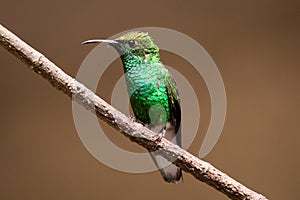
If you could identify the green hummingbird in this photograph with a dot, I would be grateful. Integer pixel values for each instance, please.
(152, 90)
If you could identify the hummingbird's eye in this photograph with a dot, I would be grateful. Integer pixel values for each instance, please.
(131, 43)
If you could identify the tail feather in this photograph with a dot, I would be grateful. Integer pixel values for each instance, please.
(170, 172)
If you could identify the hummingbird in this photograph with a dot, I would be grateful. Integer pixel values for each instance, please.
(152, 90)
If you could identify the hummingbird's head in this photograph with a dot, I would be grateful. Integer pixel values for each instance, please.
(133, 43)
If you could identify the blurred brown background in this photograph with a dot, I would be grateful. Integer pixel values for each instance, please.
(256, 47)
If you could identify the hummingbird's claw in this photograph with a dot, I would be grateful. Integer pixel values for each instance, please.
(162, 134)
(132, 118)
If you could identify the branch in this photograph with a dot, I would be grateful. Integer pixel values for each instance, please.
(201, 170)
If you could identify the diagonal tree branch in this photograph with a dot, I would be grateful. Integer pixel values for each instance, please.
(201, 170)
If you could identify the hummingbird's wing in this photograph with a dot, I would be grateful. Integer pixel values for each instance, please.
(174, 105)
(170, 172)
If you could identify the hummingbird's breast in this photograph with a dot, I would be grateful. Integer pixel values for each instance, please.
(147, 90)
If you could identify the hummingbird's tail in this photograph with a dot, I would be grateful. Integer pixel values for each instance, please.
(170, 172)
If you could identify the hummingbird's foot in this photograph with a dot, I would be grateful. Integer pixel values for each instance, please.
(162, 134)
(132, 118)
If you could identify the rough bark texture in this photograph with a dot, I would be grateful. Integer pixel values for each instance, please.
(201, 170)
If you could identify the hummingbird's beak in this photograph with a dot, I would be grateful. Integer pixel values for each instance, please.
(117, 44)
(99, 41)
